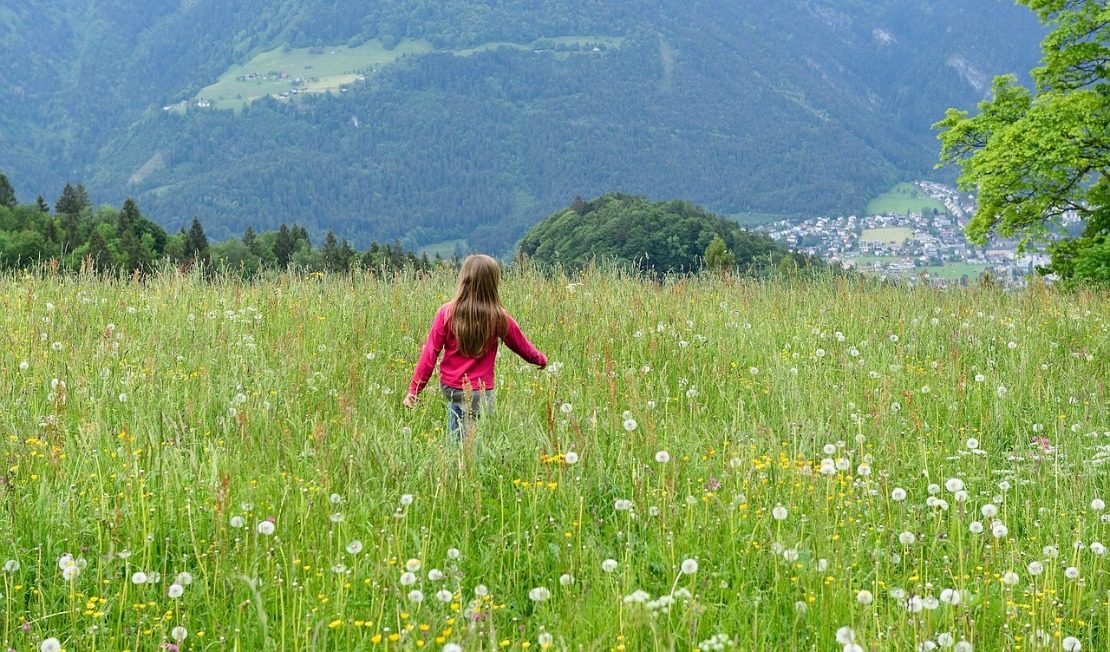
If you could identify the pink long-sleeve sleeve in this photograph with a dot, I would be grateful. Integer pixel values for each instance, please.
(519, 344)
(433, 345)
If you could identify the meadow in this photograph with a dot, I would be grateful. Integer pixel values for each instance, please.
(896, 234)
(901, 199)
(329, 68)
(708, 463)
(326, 69)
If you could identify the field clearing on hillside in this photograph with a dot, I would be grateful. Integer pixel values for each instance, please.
(323, 69)
(901, 199)
(897, 234)
(710, 463)
(329, 68)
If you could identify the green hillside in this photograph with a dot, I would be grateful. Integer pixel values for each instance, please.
(656, 237)
(475, 119)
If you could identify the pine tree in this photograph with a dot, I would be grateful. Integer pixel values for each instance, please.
(300, 234)
(251, 240)
(347, 255)
(99, 253)
(50, 231)
(42, 206)
(71, 227)
(73, 200)
(330, 253)
(196, 244)
(7, 193)
(284, 246)
(128, 218)
(134, 253)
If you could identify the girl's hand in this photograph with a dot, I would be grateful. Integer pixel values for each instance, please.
(410, 400)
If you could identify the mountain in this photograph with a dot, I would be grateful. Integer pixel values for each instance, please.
(474, 119)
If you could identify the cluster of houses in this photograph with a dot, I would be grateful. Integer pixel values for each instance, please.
(902, 244)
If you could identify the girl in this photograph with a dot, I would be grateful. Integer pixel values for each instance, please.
(467, 330)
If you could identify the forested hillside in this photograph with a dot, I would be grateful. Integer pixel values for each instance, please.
(795, 107)
(655, 237)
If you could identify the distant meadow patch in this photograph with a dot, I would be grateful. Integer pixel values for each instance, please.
(708, 463)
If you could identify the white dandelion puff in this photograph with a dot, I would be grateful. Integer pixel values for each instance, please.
(539, 594)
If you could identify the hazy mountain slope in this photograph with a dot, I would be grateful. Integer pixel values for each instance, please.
(791, 107)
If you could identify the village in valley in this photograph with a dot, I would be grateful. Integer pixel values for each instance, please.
(916, 232)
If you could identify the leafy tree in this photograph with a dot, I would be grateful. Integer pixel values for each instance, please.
(717, 256)
(236, 256)
(7, 193)
(1035, 157)
(22, 248)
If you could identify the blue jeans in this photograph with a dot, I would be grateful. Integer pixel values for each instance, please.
(464, 406)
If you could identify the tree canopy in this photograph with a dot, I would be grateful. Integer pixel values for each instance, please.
(110, 241)
(1038, 157)
(659, 237)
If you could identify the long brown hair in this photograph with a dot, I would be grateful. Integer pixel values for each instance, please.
(477, 315)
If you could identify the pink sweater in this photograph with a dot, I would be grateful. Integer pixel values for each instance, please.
(457, 370)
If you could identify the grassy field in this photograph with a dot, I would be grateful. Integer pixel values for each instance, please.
(955, 271)
(323, 69)
(222, 466)
(329, 68)
(903, 198)
(897, 234)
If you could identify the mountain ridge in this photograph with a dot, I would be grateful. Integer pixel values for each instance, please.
(794, 108)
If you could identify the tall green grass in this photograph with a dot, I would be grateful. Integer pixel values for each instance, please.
(144, 422)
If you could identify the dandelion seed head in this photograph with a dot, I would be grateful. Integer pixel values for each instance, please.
(539, 594)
